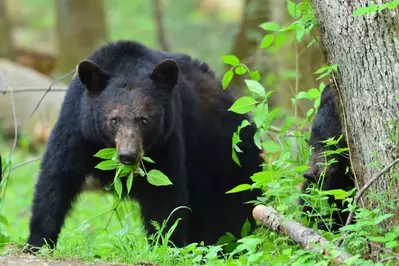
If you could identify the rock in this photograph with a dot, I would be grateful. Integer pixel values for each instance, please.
(28, 86)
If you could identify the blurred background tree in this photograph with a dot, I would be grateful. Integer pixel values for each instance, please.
(81, 28)
(52, 36)
(6, 44)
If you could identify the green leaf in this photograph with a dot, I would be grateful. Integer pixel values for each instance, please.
(270, 26)
(230, 60)
(240, 70)
(366, 10)
(239, 188)
(235, 157)
(309, 112)
(106, 153)
(260, 114)
(256, 76)
(270, 146)
(262, 177)
(280, 39)
(243, 105)
(314, 93)
(257, 140)
(118, 186)
(246, 228)
(267, 40)
(227, 78)
(4, 220)
(338, 194)
(391, 244)
(292, 9)
(129, 182)
(157, 178)
(125, 169)
(148, 159)
(244, 123)
(377, 238)
(302, 95)
(255, 87)
(301, 168)
(107, 165)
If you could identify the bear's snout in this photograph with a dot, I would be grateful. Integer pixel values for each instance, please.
(127, 155)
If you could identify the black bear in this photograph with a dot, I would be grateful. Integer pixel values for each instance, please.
(167, 106)
(327, 125)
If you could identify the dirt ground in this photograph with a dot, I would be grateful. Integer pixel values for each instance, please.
(34, 261)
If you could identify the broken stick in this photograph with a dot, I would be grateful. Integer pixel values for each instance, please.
(306, 237)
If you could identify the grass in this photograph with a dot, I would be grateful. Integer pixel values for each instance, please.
(92, 231)
(89, 232)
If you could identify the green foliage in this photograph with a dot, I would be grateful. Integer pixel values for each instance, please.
(371, 8)
(111, 162)
(286, 157)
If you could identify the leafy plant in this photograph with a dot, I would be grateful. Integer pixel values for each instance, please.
(111, 162)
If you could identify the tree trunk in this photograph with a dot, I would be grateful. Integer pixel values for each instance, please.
(254, 13)
(6, 44)
(366, 51)
(81, 28)
(160, 25)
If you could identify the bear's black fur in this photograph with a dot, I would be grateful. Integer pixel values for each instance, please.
(327, 125)
(166, 106)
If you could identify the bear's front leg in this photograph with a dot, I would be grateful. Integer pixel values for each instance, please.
(61, 176)
(159, 204)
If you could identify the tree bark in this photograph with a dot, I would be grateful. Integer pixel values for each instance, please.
(6, 44)
(81, 28)
(366, 51)
(160, 25)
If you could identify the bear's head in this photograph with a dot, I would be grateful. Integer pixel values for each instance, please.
(131, 111)
(327, 159)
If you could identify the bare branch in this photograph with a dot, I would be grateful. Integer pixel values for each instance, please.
(306, 237)
(49, 89)
(25, 163)
(34, 89)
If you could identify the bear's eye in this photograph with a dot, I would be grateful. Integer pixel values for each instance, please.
(143, 120)
(114, 121)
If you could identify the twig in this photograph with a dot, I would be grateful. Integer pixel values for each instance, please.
(360, 193)
(35, 89)
(49, 89)
(306, 237)
(278, 130)
(14, 115)
(25, 163)
(1, 169)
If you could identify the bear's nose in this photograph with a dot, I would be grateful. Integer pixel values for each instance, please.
(127, 156)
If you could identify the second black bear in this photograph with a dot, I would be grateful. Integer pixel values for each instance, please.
(166, 106)
(327, 125)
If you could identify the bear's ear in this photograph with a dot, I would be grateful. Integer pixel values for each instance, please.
(92, 76)
(165, 74)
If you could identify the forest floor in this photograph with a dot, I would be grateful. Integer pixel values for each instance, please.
(38, 261)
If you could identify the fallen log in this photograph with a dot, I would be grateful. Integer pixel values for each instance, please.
(306, 237)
